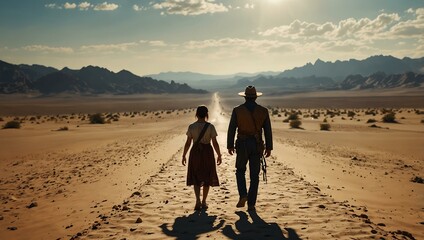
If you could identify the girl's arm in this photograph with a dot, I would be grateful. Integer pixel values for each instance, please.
(186, 147)
(218, 152)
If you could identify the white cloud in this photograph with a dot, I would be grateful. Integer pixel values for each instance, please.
(138, 8)
(157, 44)
(190, 7)
(47, 49)
(108, 48)
(238, 44)
(51, 6)
(347, 28)
(106, 7)
(84, 5)
(69, 5)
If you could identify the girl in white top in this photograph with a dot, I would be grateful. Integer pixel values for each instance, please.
(201, 164)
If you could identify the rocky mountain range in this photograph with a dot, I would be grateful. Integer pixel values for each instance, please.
(87, 80)
(339, 70)
(377, 72)
(379, 80)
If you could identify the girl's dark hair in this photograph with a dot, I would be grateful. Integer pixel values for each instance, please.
(202, 112)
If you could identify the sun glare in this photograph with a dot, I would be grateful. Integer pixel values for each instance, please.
(275, 1)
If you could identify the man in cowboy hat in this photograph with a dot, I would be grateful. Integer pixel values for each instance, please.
(249, 119)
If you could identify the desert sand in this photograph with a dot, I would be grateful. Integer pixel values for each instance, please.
(124, 179)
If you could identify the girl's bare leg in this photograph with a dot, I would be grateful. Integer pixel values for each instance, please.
(205, 195)
(197, 193)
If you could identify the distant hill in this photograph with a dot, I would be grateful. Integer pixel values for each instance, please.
(206, 81)
(192, 76)
(87, 80)
(381, 80)
(339, 70)
(288, 83)
(377, 80)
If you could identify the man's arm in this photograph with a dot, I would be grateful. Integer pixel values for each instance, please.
(268, 136)
(231, 132)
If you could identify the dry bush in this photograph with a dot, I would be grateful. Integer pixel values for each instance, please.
(295, 123)
(371, 120)
(63, 129)
(97, 119)
(389, 118)
(417, 179)
(324, 127)
(12, 124)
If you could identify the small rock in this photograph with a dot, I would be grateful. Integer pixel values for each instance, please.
(374, 231)
(1, 217)
(12, 228)
(405, 233)
(136, 194)
(133, 229)
(33, 204)
(139, 220)
(354, 158)
(417, 179)
(125, 208)
(381, 224)
(321, 206)
(363, 216)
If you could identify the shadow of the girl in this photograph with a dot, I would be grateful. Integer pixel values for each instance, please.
(191, 226)
(257, 229)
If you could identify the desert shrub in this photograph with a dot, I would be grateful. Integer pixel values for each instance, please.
(295, 123)
(324, 127)
(418, 112)
(371, 120)
(351, 114)
(1, 119)
(417, 179)
(97, 119)
(286, 120)
(315, 115)
(12, 124)
(422, 120)
(63, 129)
(325, 120)
(389, 118)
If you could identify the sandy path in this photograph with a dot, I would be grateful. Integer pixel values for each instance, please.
(289, 207)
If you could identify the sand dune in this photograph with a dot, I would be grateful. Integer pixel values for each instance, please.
(124, 180)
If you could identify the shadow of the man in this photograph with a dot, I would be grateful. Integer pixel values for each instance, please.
(191, 226)
(257, 229)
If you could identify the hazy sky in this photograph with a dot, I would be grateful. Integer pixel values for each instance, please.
(207, 36)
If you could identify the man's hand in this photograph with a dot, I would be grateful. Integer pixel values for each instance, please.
(219, 160)
(267, 152)
(184, 160)
(231, 151)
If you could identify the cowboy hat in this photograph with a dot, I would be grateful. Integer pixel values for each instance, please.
(250, 92)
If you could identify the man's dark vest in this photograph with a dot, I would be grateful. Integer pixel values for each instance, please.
(245, 124)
